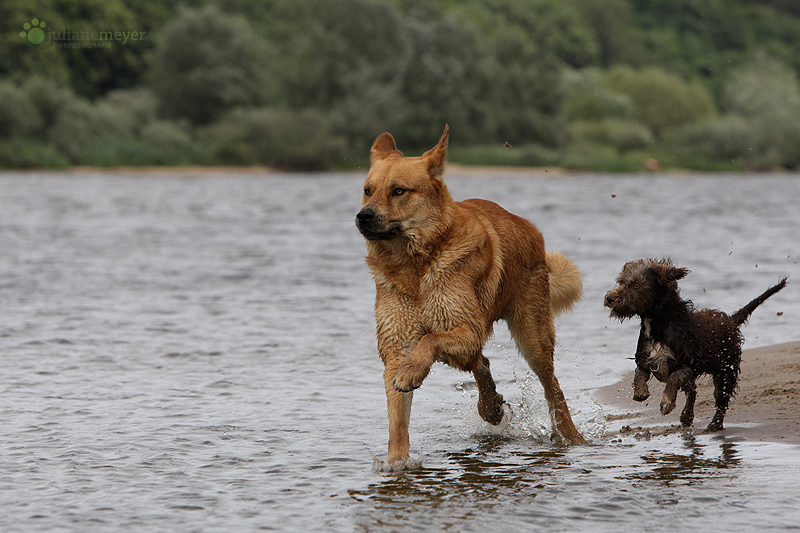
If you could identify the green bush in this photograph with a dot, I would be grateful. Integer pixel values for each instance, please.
(587, 156)
(81, 124)
(624, 135)
(17, 153)
(438, 82)
(329, 49)
(294, 140)
(18, 115)
(589, 96)
(374, 66)
(763, 87)
(530, 155)
(729, 137)
(49, 98)
(135, 152)
(160, 143)
(558, 28)
(140, 104)
(207, 63)
(766, 94)
(518, 96)
(662, 100)
(167, 134)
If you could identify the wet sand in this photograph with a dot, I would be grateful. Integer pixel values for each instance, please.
(765, 408)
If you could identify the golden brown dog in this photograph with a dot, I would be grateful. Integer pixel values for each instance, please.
(444, 272)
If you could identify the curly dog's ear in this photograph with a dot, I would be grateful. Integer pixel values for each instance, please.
(665, 272)
(673, 273)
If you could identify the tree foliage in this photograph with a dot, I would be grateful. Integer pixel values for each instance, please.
(662, 100)
(766, 94)
(561, 80)
(207, 63)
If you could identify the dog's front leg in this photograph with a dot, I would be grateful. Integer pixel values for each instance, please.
(399, 408)
(460, 347)
(490, 403)
(677, 380)
(414, 367)
(642, 374)
(640, 379)
(687, 415)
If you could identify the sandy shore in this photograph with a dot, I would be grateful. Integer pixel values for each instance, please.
(765, 408)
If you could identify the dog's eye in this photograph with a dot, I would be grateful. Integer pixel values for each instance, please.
(367, 191)
(399, 191)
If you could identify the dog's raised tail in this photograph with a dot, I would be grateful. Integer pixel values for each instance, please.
(741, 316)
(566, 284)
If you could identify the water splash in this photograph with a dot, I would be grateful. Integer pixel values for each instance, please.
(595, 427)
(526, 417)
(407, 463)
(534, 418)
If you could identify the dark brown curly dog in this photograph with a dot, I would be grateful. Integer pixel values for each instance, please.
(678, 343)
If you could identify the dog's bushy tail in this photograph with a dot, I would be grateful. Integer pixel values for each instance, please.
(566, 284)
(741, 316)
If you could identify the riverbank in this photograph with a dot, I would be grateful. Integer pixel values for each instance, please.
(765, 407)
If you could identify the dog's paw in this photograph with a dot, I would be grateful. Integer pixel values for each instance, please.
(667, 405)
(404, 386)
(399, 464)
(493, 411)
(409, 377)
(715, 424)
(641, 396)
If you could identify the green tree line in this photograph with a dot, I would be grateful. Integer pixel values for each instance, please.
(308, 84)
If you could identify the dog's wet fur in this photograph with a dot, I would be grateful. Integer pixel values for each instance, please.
(444, 272)
(678, 343)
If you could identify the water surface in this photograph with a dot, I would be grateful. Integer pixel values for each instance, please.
(198, 354)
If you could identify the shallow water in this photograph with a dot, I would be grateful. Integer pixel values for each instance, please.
(198, 354)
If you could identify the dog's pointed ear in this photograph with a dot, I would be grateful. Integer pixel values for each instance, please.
(384, 147)
(436, 156)
(673, 273)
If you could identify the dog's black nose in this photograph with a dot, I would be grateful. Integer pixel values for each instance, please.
(365, 215)
(610, 299)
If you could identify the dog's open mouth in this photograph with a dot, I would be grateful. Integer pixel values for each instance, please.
(382, 233)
